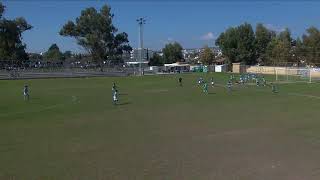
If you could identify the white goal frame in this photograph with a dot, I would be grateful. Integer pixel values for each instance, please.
(297, 74)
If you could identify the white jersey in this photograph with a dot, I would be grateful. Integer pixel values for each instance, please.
(115, 97)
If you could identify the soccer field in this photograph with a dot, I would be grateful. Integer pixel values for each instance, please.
(71, 130)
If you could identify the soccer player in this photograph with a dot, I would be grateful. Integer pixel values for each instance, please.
(231, 77)
(212, 82)
(114, 87)
(241, 80)
(264, 81)
(229, 85)
(200, 81)
(274, 88)
(257, 82)
(180, 81)
(26, 93)
(115, 97)
(205, 88)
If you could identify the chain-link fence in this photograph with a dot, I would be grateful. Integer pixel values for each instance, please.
(28, 73)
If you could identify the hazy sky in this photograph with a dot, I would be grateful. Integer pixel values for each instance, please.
(191, 23)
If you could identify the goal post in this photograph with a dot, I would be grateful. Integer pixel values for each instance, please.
(297, 74)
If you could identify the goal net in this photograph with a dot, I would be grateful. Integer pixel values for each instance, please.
(298, 74)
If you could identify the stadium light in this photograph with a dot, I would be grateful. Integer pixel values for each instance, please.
(141, 21)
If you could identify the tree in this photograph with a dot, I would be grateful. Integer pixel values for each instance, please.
(277, 52)
(228, 43)
(35, 56)
(285, 36)
(238, 44)
(67, 55)
(207, 56)
(263, 37)
(156, 60)
(246, 46)
(95, 32)
(310, 47)
(2, 8)
(11, 46)
(280, 49)
(53, 53)
(172, 53)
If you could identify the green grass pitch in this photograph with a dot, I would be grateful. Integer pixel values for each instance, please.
(71, 130)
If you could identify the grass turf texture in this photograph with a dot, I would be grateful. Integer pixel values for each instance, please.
(70, 130)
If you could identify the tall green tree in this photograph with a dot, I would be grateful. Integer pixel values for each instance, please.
(298, 52)
(310, 47)
(156, 60)
(95, 32)
(263, 37)
(53, 53)
(207, 56)
(280, 49)
(278, 52)
(11, 46)
(228, 43)
(172, 53)
(238, 44)
(246, 44)
(285, 36)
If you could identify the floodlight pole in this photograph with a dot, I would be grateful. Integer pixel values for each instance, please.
(141, 21)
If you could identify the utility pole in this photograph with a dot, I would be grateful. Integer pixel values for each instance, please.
(141, 21)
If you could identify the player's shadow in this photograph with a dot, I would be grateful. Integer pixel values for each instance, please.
(123, 94)
(212, 93)
(124, 103)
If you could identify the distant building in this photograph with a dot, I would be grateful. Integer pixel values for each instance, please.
(193, 55)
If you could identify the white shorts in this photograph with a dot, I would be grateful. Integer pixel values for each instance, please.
(25, 94)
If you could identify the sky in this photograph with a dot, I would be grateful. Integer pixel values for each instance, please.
(193, 24)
